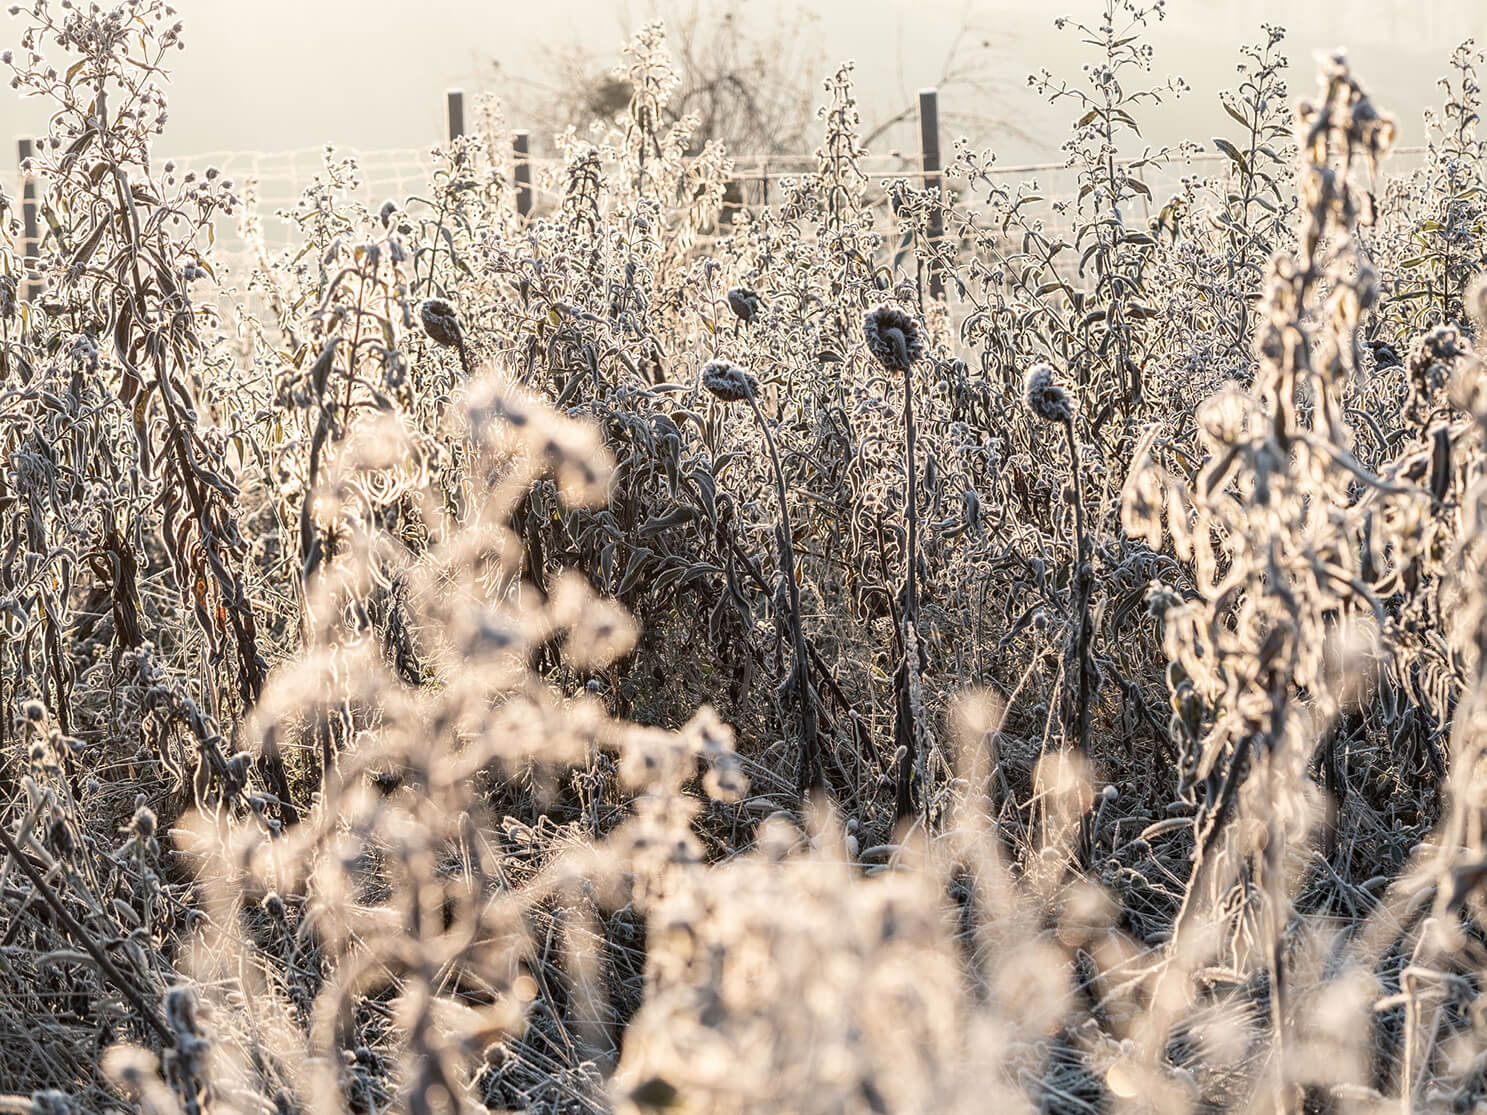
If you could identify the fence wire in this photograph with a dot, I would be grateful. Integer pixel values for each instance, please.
(280, 177)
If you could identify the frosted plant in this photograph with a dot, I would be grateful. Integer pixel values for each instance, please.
(896, 341)
(731, 384)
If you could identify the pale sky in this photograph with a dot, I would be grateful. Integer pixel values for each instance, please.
(267, 75)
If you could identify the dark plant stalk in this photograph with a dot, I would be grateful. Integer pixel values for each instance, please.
(896, 341)
(1083, 581)
(180, 423)
(906, 745)
(1080, 662)
(1050, 403)
(911, 512)
(808, 772)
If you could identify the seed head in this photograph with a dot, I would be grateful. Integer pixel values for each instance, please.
(892, 337)
(34, 711)
(1045, 398)
(1385, 355)
(440, 322)
(182, 1010)
(729, 382)
(1160, 599)
(1440, 345)
(143, 824)
(237, 767)
(60, 838)
(744, 302)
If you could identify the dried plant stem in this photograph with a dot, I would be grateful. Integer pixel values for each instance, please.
(1081, 670)
(1276, 905)
(110, 972)
(905, 728)
(180, 428)
(808, 770)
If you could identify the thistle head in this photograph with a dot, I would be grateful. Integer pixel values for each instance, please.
(893, 337)
(744, 303)
(1045, 398)
(728, 382)
(440, 321)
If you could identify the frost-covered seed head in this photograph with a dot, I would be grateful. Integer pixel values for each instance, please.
(893, 337)
(440, 322)
(1045, 398)
(1160, 599)
(1440, 345)
(144, 822)
(182, 1008)
(744, 303)
(1385, 355)
(728, 382)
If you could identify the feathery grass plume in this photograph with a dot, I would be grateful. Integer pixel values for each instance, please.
(730, 384)
(1249, 666)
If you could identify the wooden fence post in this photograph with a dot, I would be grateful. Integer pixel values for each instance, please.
(929, 147)
(454, 108)
(30, 230)
(521, 171)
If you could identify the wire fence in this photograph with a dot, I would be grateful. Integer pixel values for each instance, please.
(280, 177)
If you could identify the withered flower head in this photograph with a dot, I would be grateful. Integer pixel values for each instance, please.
(727, 381)
(893, 337)
(744, 303)
(1045, 398)
(440, 322)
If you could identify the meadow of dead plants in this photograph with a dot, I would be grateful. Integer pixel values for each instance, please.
(910, 646)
